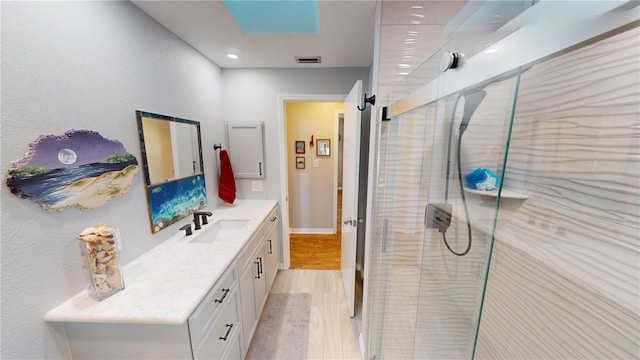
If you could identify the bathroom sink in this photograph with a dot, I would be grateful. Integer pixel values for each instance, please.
(220, 230)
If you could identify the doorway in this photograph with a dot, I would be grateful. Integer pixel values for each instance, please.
(313, 137)
(287, 160)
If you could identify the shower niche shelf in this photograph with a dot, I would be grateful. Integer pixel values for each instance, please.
(506, 194)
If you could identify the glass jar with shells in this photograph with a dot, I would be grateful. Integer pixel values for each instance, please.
(100, 261)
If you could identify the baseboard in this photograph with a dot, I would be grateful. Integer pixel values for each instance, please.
(311, 231)
(361, 341)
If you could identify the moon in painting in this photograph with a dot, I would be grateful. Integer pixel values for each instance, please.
(67, 156)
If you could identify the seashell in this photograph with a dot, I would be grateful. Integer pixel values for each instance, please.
(114, 277)
(104, 259)
(107, 243)
(100, 254)
(103, 287)
(91, 238)
(99, 268)
(100, 278)
(107, 232)
(88, 231)
(113, 261)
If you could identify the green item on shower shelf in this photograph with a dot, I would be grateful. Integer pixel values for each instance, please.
(482, 179)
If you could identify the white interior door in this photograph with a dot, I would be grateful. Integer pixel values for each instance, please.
(350, 166)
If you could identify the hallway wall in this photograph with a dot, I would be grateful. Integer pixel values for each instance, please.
(311, 189)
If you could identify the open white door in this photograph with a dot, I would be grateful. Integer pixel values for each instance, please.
(350, 166)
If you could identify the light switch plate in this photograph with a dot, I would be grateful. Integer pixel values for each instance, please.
(315, 163)
(256, 186)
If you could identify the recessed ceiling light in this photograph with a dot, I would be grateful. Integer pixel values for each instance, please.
(404, 66)
(232, 56)
(415, 22)
(403, 73)
(417, 6)
(417, 15)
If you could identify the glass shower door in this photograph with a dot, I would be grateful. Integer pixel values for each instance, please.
(400, 192)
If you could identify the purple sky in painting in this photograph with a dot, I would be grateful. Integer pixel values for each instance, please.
(89, 146)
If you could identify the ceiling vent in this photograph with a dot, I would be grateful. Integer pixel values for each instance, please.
(308, 59)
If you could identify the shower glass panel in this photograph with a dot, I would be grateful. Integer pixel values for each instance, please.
(402, 183)
(565, 265)
(425, 300)
(547, 265)
(455, 257)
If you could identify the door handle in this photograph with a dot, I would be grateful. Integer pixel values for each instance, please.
(352, 222)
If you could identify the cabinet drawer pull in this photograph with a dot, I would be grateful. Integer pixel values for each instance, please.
(274, 218)
(260, 168)
(257, 263)
(230, 326)
(260, 266)
(270, 249)
(226, 292)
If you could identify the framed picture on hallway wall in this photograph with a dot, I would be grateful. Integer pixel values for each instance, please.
(323, 147)
(299, 162)
(299, 147)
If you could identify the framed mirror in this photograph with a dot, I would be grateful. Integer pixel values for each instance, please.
(173, 168)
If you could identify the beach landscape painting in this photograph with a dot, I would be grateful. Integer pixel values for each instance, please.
(174, 200)
(78, 169)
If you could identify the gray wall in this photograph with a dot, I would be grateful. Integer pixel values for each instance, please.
(252, 95)
(84, 66)
(90, 65)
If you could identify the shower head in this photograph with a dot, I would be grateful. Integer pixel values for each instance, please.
(471, 102)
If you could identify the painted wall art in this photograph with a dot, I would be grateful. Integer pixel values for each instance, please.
(78, 169)
(172, 201)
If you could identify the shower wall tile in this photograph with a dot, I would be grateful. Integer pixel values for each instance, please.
(565, 273)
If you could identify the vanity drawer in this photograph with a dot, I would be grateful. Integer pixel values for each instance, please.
(221, 294)
(222, 333)
(271, 219)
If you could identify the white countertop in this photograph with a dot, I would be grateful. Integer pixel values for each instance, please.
(165, 285)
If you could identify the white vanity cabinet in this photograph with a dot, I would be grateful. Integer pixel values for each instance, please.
(213, 331)
(259, 265)
(253, 285)
(272, 247)
(214, 327)
(184, 299)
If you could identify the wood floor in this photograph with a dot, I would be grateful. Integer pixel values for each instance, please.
(317, 251)
(332, 334)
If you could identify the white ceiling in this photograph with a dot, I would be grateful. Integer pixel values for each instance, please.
(346, 36)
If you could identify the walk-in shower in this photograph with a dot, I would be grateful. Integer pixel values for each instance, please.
(440, 214)
(547, 265)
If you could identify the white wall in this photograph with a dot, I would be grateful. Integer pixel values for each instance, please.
(252, 95)
(84, 65)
